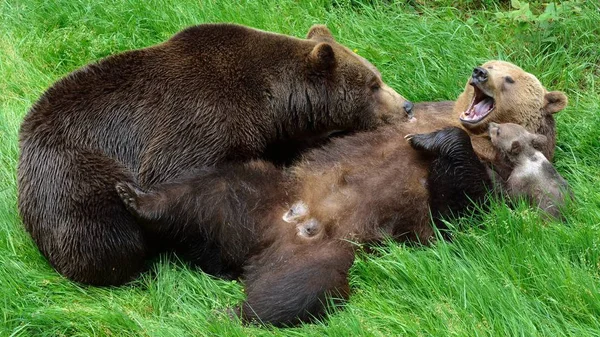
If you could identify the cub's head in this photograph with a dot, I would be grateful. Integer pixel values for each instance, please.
(501, 92)
(513, 140)
(357, 96)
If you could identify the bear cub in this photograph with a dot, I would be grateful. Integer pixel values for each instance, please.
(532, 176)
(240, 208)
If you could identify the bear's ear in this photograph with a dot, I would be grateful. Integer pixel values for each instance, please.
(555, 101)
(319, 31)
(539, 142)
(322, 57)
(515, 147)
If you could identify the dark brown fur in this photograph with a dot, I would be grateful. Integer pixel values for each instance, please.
(457, 181)
(239, 209)
(244, 211)
(361, 188)
(211, 94)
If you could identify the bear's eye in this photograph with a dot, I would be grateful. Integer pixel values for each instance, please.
(375, 86)
(509, 79)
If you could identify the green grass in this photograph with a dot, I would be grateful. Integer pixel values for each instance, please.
(513, 276)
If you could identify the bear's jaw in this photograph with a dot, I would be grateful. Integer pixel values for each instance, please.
(481, 106)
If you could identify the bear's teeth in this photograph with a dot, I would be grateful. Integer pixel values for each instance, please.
(467, 112)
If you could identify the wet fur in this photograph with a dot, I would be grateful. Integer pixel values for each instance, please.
(241, 209)
(361, 188)
(212, 94)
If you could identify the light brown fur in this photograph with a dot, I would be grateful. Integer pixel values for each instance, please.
(533, 176)
(525, 102)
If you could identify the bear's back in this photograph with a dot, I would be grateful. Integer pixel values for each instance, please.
(194, 85)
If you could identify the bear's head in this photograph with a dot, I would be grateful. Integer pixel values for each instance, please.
(513, 140)
(501, 92)
(353, 84)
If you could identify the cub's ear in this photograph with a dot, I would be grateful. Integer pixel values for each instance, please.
(555, 101)
(322, 57)
(319, 31)
(539, 142)
(515, 147)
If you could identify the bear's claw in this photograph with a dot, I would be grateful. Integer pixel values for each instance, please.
(128, 195)
(441, 142)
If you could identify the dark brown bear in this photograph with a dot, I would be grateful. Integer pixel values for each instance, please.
(211, 94)
(360, 188)
(240, 208)
(374, 183)
(292, 265)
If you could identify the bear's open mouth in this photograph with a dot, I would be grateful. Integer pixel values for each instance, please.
(480, 106)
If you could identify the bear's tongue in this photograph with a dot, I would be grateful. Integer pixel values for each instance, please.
(484, 106)
(479, 110)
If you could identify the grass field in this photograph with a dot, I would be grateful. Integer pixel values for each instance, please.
(513, 276)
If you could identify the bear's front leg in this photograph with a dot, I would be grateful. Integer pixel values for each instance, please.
(457, 179)
(450, 141)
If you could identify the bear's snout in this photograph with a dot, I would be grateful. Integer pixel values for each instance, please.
(408, 108)
(480, 75)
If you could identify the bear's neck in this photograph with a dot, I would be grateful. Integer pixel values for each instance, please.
(303, 111)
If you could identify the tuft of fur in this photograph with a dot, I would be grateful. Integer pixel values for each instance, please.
(533, 176)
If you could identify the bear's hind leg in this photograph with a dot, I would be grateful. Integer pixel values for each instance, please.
(148, 207)
(69, 206)
(209, 216)
(293, 285)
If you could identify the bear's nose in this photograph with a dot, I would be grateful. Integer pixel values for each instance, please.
(408, 107)
(480, 75)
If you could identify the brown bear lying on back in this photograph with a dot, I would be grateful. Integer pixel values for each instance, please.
(497, 91)
(360, 188)
(211, 94)
(381, 182)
